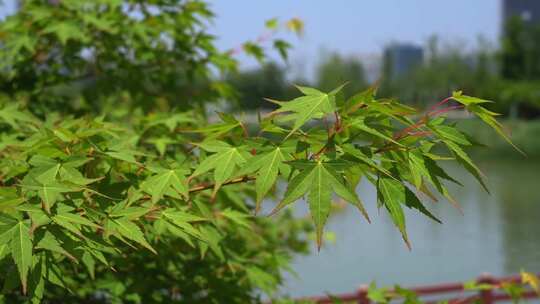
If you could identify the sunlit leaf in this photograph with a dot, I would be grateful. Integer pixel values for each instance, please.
(21, 251)
(314, 104)
(131, 231)
(392, 195)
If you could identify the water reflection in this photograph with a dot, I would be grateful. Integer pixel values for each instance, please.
(517, 188)
(499, 233)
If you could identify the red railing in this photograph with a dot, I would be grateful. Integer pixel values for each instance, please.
(454, 293)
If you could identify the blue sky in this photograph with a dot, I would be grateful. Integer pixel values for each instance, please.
(353, 26)
(358, 26)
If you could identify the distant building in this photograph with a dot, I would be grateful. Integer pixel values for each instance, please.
(400, 59)
(527, 10)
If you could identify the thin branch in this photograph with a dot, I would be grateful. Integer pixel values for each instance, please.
(442, 102)
(207, 186)
(408, 131)
(337, 125)
(446, 110)
(331, 134)
(403, 133)
(324, 148)
(244, 129)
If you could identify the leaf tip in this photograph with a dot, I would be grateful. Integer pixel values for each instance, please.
(319, 243)
(407, 243)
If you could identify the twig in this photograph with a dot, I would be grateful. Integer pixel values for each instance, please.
(440, 104)
(331, 134)
(337, 126)
(207, 186)
(445, 110)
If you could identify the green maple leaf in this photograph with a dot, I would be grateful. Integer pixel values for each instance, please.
(282, 47)
(45, 174)
(417, 168)
(422, 167)
(237, 217)
(166, 179)
(224, 162)
(360, 123)
(51, 243)
(161, 144)
(74, 176)
(49, 192)
(126, 228)
(296, 26)
(215, 130)
(451, 134)
(21, 251)
(473, 104)
(74, 218)
(182, 220)
(319, 179)
(66, 31)
(254, 50)
(358, 155)
(315, 104)
(267, 166)
(172, 121)
(130, 213)
(272, 24)
(124, 155)
(14, 117)
(462, 157)
(391, 194)
(9, 198)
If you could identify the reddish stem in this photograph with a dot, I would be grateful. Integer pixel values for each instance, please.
(432, 112)
(410, 128)
(440, 103)
(445, 110)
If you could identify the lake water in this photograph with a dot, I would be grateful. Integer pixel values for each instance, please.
(499, 233)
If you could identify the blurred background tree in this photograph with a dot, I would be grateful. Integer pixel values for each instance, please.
(335, 70)
(446, 68)
(510, 75)
(272, 80)
(519, 88)
(254, 85)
